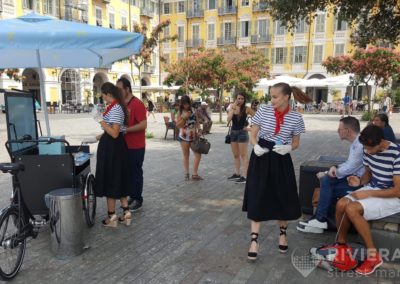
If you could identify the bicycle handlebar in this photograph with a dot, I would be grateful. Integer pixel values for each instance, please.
(48, 140)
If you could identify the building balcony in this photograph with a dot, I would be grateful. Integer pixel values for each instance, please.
(146, 12)
(260, 7)
(260, 39)
(194, 13)
(227, 10)
(226, 41)
(194, 43)
(148, 69)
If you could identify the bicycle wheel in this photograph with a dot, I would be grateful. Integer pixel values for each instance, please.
(89, 200)
(12, 246)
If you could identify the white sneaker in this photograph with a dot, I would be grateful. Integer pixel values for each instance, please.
(307, 229)
(315, 223)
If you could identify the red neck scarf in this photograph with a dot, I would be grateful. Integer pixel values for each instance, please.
(279, 115)
(109, 107)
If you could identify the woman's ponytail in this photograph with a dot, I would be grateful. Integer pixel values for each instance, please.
(300, 96)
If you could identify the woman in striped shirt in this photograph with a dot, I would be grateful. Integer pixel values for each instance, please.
(112, 170)
(271, 190)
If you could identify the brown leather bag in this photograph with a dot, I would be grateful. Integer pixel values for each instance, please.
(315, 197)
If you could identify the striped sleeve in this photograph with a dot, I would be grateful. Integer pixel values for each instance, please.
(257, 118)
(299, 128)
(116, 115)
(396, 166)
(365, 160)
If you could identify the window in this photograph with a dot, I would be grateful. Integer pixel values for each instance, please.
(299, 54)
(265, 52)
(318, 53)
(320, 23)
(123, 21)
(181, 7)
(49, 7)
(167, 8)
(133, 2)
(301, 27)
(211, 32)
(228, 31)
(166, 31)
(339, 49)
(339, 24)
(211, 4)
(99, 16)
(167, 59)
(181, 55)
(245, 2)
(245, 29)
(196, 32)
(263, 28)
(28, 4)
(279, 54)
(112, 20)
(70, 86)
(181, 33)
(279, 29)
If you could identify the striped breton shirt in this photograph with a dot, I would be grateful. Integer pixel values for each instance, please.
(384, 166)
(293, 124)
(115, 116)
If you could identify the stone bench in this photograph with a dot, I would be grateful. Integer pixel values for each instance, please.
(386, 234)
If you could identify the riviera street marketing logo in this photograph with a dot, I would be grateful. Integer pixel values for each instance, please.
(302, 261)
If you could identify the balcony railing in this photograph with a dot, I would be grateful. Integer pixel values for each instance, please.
(148, 69)
(227, 10)
(226, 41)
(262, 6)
(194, 43)
(260, 39)
(146, 12)
(198, 13)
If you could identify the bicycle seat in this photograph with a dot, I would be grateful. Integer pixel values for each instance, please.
(11, 167)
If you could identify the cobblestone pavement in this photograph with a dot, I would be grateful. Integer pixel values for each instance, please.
(186, 232)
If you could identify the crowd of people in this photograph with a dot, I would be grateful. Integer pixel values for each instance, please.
(366, 186)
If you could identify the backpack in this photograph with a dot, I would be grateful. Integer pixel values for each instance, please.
(342, 257)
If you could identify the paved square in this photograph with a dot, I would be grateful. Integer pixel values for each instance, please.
(186, 232)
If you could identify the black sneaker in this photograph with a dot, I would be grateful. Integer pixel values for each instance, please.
(135, 206)
(234, 177)
(241, 180)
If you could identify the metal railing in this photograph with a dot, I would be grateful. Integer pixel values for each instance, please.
(146, 12)
(261, 38)
(226, 10)
(198, 13)
(194, 43)
(262, 6)
(226, 41)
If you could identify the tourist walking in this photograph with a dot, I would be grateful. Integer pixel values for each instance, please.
(188, 126)
(271, 189)
(237, 115)
(112, 168)
(135, 137)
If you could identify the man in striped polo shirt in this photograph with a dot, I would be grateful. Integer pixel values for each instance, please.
(378, 198)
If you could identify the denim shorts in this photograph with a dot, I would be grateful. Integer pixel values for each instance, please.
(239, 136)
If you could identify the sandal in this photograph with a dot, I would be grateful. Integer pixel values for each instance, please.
(111, 220)
(196, 177)
(283, 248)
(253, 255)
(126, 218)
(187, 177)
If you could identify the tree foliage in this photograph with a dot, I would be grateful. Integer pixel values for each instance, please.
(233, 68)
(12, 73)
(380, 65)
(374, 20)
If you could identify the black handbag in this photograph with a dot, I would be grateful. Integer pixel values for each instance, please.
(228, 136)
(200, 145)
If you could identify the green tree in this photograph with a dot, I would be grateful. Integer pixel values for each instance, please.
(11, 73)
(374, 21)
(380, 65)
(150, 42)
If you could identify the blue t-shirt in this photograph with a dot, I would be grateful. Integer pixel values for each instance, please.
(388, 134)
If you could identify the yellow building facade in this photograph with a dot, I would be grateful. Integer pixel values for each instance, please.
(83, 85)
(221, 23)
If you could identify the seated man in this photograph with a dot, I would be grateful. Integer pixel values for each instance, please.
(379, 197)
(204, 117)
(334, 183)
